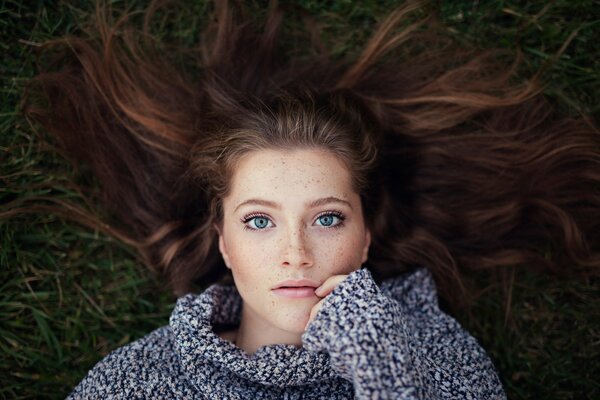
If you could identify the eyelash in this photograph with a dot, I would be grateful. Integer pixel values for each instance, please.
(334, 213)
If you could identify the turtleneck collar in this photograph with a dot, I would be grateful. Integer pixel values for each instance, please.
(213, 362)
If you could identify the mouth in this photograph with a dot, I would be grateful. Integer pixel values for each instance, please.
(297, 283)
(295, 287)
(295, 291)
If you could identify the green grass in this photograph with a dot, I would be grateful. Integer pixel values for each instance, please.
(69, 295)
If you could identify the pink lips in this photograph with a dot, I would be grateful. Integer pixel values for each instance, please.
(295, 292)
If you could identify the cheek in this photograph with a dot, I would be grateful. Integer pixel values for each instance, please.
(341, 254)
(250, 262)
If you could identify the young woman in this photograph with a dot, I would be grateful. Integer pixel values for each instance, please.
(320, 200)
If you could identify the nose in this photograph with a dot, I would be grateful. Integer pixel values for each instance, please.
(297, 251)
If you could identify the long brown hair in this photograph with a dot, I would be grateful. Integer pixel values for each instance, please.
(460, 165)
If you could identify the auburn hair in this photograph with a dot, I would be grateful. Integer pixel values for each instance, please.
(460, 165)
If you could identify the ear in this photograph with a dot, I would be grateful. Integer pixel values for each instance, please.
(222, 247)
(365, 254)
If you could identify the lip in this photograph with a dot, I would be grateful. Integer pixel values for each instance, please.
(295, 283)
(296, 292)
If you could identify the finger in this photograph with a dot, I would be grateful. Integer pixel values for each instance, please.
(322, 291)
(329, 284)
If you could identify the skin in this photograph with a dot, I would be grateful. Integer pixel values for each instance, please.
(291, 240)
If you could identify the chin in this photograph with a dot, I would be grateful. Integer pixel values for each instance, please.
(294, 326)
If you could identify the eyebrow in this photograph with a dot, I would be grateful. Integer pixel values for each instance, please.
(311, 204)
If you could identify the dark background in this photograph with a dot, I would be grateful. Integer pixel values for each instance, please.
(69, 295)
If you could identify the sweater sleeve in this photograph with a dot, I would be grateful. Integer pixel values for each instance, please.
(394, 342)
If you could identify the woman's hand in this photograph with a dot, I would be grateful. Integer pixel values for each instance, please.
(322, 292)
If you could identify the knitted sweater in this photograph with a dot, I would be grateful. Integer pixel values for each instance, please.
(366, 342)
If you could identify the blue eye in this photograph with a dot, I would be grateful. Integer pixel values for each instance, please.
(328, 219)
(260, 222)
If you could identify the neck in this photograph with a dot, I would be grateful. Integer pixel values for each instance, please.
(254, 332)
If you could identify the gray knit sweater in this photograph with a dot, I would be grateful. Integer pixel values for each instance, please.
(366, 342)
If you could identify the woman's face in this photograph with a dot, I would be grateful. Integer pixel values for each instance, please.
(271, 231)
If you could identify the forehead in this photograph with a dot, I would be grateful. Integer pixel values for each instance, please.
(294, 173)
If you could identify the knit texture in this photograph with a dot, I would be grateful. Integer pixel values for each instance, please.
(366, 342)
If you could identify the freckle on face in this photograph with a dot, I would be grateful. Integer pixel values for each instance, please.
(262, 259)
